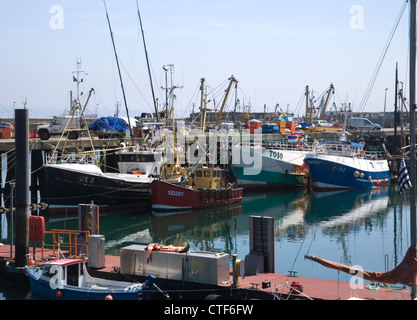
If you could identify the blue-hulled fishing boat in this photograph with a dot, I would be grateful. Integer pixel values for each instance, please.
(345, 165)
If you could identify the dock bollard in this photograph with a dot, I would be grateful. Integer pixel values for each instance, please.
(236, 271)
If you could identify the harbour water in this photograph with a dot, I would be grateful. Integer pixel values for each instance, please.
(366, 228)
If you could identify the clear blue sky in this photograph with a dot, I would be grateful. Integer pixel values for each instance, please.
(274, 48)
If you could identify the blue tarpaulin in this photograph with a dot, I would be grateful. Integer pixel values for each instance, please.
(109, 123)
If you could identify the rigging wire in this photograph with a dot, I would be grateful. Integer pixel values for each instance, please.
(192, 99)
(299, 102)
(381, 59)
(130, 77)
(312, 239)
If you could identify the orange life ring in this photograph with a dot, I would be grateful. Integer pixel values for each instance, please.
(6, 133)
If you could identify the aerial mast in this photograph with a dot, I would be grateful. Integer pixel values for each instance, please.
(118, 68)
(78, 77)
(147, 62)
(309, 113)
(412, 131)
(202, 102)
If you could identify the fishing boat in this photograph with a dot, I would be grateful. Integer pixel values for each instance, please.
(68, 279)
(280, 164)
(153, 158)
(405, 272)
(138, 161)
(345, 165)
(203, 187)
(73, 180)
(70, 177)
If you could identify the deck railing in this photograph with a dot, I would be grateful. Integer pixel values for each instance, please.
(66, 240)
(71, 158)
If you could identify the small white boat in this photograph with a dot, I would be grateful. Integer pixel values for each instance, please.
(68, 279)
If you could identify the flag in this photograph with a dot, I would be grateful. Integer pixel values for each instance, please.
(403, 178)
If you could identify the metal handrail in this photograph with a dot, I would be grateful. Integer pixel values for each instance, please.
(57, 243)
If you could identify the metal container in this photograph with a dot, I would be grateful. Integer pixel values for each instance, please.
(194, 266)
(96, 256)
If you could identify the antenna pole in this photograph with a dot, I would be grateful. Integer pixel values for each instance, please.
(147, 61)
(412, 130)
(118, 68)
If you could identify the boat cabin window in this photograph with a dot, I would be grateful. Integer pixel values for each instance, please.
(207, 174)
(198, 174)
(49, 272)
(138, 157)
(218, 174)
(72, 274)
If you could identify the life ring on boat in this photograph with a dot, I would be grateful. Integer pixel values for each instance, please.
(223, 181)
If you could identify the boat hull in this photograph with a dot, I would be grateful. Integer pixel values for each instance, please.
(71, 187)
(50, 288)
(279, 169)
(44, 289)
(172, 197)
(329, 172)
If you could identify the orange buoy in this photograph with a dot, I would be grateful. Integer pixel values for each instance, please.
(108, 297)
(296, 287)
(32, 262)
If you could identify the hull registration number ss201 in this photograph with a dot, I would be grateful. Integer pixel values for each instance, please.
(175, 193)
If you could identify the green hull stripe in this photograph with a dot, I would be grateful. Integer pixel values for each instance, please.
(267, 177)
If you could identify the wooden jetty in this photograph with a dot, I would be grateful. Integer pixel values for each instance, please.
(265, 286)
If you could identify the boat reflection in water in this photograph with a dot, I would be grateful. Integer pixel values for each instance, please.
(347, 208)
(205, 223)
(197, 227)
(294, 213)
(337, 225)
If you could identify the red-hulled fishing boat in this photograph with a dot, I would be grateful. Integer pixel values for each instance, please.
(203, 187)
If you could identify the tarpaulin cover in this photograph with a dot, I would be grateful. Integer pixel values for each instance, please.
(109, 123)
(404, 273)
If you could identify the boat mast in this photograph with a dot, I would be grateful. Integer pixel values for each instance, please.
(307, 108)
(329, 93)
(396, 110)
(231, 79)
(412, 130)
(118, 68)
(147, 62)
(202, 111)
